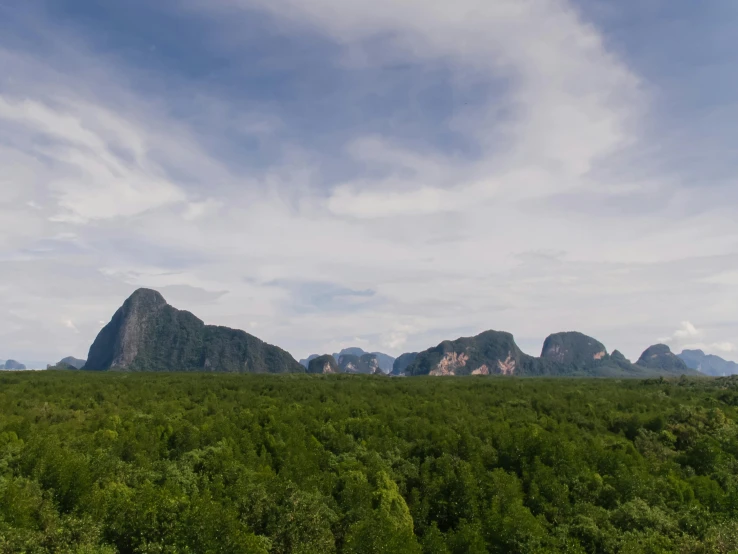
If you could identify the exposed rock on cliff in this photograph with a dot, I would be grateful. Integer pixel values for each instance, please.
(366, 363)
(323, 364)
(573, 348)
(492, 352)
(660, 356)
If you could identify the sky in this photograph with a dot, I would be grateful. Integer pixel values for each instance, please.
(384, 174)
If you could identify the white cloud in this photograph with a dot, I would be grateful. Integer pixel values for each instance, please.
(689, 337)
(449, 244)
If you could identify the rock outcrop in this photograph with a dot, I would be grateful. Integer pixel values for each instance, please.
(385, 361)
(366, 363)
(660, 357)
(489, 353)
(323, 364)
(573, 348)
(496, 353)
(147, 334)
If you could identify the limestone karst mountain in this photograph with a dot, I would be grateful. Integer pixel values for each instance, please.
(366, 363)
(708, 364)
(385, 361)
(660, 357)
(489, 353)
(68, 363)
(323, 364)
(573, 348)
(147, 334)
(401, 363)
(563, 354)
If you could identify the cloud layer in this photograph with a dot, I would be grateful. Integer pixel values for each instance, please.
(327, 172)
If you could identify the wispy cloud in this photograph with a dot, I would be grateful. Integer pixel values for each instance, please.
(407, 171)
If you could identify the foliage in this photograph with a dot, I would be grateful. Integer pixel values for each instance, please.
(191, 462)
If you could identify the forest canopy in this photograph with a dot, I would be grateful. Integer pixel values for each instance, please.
(198, 463)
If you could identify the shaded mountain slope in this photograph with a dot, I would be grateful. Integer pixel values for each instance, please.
(708, 364)
(147, 334)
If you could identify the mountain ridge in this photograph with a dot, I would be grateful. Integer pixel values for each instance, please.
(708, 364)
(147, 334)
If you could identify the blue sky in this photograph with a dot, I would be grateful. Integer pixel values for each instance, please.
(385, 174)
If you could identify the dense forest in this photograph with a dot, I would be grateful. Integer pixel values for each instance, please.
(200, 463)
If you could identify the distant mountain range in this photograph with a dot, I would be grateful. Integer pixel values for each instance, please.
(68, 363)
(147, 334)
(570, 353)
(346, 363)
(385, 361)
(12, 365)
(708, 363)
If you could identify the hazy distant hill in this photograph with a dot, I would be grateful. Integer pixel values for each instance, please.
(74, 362)
(12, 365)
(402, 362)
(385, 361)
(306, 361)
(147, 334)
(68, 363)
(366, 363)
(708, 364)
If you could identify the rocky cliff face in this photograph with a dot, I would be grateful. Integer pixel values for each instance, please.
(573, 348)
(563, 354)
(147, 334)
(385, 361)
(366, 363)
(660, 357)
(490, 353)
(323, 364)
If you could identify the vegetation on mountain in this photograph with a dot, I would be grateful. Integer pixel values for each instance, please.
(401, 363)
(660, 357)
(323, 364)
(495, 353)
(74, 362)
(67, 364)
(366, 363)
(147, 334)
(385, 361)
(708, 364)
(618, 357)
(573, 348)
(191, 462)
